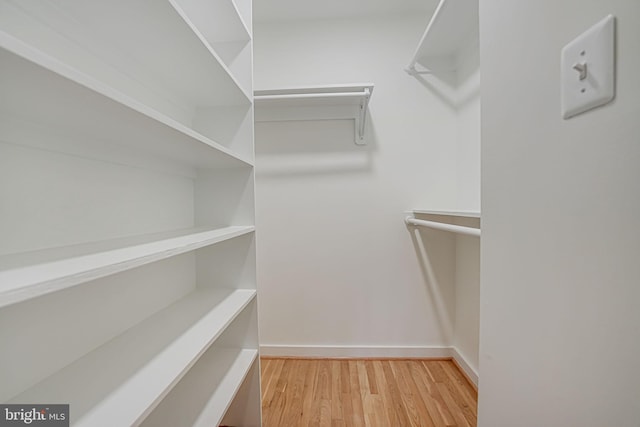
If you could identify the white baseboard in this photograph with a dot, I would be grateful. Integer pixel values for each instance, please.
(472, 375)
(359, 351)
(352, 351)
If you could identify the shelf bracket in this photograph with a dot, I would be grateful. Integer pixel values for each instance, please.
(317, 103)
(413, 71)
(360, 122)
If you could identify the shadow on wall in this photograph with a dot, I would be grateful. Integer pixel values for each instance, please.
(435, 251)
(454, 83)
(445, 87)
(312, 147)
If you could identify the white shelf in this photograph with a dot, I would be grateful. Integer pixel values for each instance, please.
(123, 118)
(453, 26)
(177, 58)
(218, 382)
(463, 214)
(34, 84)
(354, 94)
(316, 103)
(217, 21)
(29, 275)
(120, 383)
(461, 222)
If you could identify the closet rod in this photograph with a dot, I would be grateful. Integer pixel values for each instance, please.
(442, 226)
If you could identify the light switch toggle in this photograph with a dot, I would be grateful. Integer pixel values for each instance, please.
(587, 69)
(581, 67)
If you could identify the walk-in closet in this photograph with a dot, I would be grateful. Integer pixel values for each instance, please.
(342, 213)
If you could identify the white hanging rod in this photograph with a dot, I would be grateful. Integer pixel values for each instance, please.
(442, 226)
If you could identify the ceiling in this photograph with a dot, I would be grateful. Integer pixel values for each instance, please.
(287, 10)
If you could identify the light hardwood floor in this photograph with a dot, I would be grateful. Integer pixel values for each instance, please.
(377, 393)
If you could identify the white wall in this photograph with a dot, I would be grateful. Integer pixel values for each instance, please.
(466, 332)
(337, 267)
(560, 336)
(468, 129)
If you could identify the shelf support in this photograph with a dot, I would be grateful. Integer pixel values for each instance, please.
(413, 71)
(364, 105)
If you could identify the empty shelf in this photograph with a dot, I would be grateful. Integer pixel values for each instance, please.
(215, 379)
(453, 26)
(30, 275)
(463, 214)
(461, 222)
(316, 103)
(443, 226)
(37, 90)
(82, 34)
(140, 367)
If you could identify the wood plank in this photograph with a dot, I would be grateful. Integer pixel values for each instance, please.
(461, 392)
(270, 372)
(371, 377)
(423, 383)
(391, 418)
(336, 391)
(408, 385)
(435, 375)
(307, 393)
(460, 420)
(357, 416)
(293, 396)
(396, 397)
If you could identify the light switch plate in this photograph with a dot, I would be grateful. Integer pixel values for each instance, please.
(588, 69)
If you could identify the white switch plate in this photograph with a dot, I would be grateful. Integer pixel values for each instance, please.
(594, 49)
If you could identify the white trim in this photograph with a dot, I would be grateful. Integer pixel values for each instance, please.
(353, 351)
(472, 375)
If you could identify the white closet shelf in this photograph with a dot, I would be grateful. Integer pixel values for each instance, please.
(29, 275)
(179, 57)
(463, 214)
(216, 21)
(141, 366)
(40, 91)
(226, 376)
(453, 26)
(316, 103)
(461, 222)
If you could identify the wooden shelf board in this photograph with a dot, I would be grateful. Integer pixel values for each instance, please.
(216, 379)
(29, 275)
(139, 367)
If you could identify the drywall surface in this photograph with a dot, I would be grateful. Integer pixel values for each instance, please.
(559, 335)
(468, 130)
(467, 293)
(337, 266)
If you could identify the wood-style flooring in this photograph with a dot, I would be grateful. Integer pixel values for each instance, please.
(377, 393)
